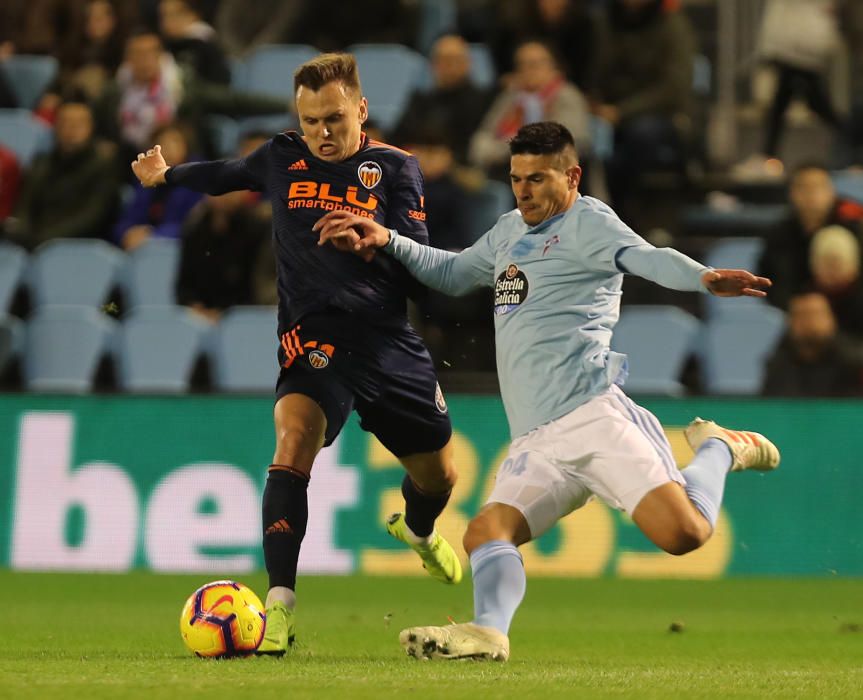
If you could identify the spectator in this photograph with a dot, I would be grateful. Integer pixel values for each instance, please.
(36, 26)
(90, 56)
(813, 359)
(243, 26)
(10, 182)
(568, 26)
(643, 86)
(798, 38)
(8, 100)
(152, 90)
(453, 105)
(539, 92)
(368, 22)
(192, 41)
(834, 261)
(159, 211)
(459, 336)
(70, 191)
(786, 254)
(221, 244)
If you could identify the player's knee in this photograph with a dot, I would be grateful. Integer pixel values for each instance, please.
(480, 530)
(438, 476)
(295, 443)
(687, 537)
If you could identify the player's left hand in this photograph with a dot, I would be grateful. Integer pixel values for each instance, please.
(351, 233)
(735, 283)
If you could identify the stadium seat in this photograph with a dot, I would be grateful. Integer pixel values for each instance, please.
(601, 137)
(269, 70)
(734, 349)
(63, 346)
(79, 271)
(657, 340)
(24, 135)
(849, 185)
(243, 352)
(482, 70)
(389, 74)
(13, 263)
(29, 77)
(10, 339)
(437, 17)
(702, 75)
(224, 133)
(150, 274)
(157, 347)
(733, 254)
(487, 205)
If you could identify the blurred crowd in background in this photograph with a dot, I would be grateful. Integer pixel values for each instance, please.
(632, 79)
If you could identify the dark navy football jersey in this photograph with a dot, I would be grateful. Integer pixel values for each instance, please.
(380, 182)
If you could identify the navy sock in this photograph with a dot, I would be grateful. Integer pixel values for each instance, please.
(421, 508)
(285, 516)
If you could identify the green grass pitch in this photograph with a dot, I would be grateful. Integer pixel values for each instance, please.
(77, 636)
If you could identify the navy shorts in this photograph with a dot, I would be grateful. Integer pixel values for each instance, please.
(384, 373)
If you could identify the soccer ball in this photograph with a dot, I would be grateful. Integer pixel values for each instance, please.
(223, 619)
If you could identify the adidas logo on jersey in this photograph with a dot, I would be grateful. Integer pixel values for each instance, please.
(299, 165)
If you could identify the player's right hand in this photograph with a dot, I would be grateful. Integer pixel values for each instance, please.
(349, 232)
(150, 167)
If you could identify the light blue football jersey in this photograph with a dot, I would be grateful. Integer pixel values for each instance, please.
(557, 289)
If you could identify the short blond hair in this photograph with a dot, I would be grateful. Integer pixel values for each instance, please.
(328, 68)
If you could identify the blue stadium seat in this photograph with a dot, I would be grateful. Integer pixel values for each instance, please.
(13, 263)
(733, 254)
(29, 77)
(243, 352)
(150, 274)
(157, 347)
(11, 337)
(79, 271)
(601, 137)
(23, 134)
(63, 346)
(224, 133)
(437, 17)
(734, 349)
(657, 340)
(849, 185)
(389, 74)
(269, 70)
(482, 70)
(702, 75)
(487, 205)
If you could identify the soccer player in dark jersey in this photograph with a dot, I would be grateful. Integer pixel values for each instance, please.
(344, 338)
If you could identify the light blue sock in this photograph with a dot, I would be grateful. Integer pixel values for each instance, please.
(705, 477)
(498, 584)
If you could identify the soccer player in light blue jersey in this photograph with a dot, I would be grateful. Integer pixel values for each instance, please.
(556, 265)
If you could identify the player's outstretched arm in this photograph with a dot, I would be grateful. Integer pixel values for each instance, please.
(735, 283)
(455, 274)
(150, 167)
(211, 177)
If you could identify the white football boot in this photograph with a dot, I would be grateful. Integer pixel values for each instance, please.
(748, 450)
(456, 641)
